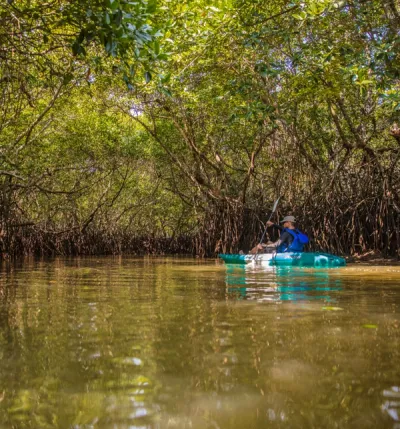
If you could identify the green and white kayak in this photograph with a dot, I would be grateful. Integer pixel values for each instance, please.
(295, 259)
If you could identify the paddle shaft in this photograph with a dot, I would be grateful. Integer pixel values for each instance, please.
(265, 230)
(266, 226)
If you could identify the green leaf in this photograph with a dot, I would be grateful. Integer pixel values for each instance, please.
(143, 36)
(113, 4)
(111, 46)
(300, 16)
(166, 92)
(163, 57)
(147, 76)
(166, 78)
(117, 18)
(81, 36)
(369, 326)
(156, 47)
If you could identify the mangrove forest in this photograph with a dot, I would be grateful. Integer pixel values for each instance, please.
(171, 127)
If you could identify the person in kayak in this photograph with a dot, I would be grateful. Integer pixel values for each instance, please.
(290, 240)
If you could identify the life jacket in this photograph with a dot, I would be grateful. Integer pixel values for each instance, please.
(297, 245)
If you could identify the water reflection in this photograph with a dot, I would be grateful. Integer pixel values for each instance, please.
(168, 343)
(391, 404)
(281, 283)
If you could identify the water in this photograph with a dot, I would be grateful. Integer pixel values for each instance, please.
(183, 343)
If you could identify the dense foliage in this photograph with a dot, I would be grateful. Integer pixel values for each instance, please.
(173, 126)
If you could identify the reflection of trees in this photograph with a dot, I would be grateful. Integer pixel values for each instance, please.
(116, 341)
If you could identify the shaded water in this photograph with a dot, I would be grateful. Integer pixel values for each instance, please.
(182, 343)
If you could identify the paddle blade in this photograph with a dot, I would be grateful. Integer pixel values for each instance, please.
(276, 205)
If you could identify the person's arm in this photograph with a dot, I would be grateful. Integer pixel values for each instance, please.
(269, 244)
(276, 244)
(279, 241)
(285, 237)
(274, 225)
(261, 246)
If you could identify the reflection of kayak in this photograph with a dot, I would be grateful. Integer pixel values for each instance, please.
(261, 282)
(298, 259)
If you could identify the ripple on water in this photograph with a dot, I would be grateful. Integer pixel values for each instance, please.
(127, 381)
(124, 412)
(128, 361)
(392, 405)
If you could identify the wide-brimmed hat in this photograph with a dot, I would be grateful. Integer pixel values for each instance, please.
(288, 219)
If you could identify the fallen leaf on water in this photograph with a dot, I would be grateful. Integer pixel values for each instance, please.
(332, 308)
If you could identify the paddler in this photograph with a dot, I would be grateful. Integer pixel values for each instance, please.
(290, 239)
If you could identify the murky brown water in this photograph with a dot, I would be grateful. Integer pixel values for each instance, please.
(182, 343)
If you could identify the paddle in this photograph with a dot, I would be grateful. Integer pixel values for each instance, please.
(270, 216)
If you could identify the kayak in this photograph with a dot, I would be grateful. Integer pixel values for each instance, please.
(295, 259)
